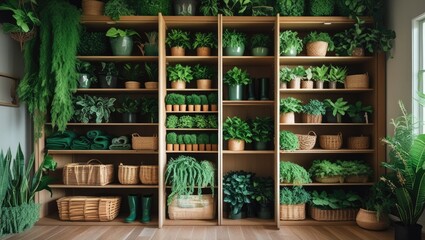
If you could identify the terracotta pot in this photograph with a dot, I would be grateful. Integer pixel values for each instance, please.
(295, 83)
(203, 83)
(310, 118)
(197, 108)
(205, 107)
(151, 85)
(195, 147)
(169, 147)
(190, 108)
(319, 48)
(176, 108)
(177, 51)
(287, 117)
(208, 147)
(201, 147)
(203, 51)
(182, 147)
(283, 85)
(183, 108)
(168, 108)
(319, 84)
(93, 8)
(367, 219)
(176, 147)
(214, 107)
(132, 85)
(189, 147)
(236, 145)
(214, 147)
(307, 84)
(178, 85)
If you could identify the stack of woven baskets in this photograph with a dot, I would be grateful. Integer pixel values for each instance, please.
(147, 174)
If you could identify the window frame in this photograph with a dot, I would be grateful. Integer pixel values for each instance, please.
(418, 69)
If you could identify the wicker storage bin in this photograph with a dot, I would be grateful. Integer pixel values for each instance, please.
(357, 81)
(148, 174)
(330, 179)
(88, 173)
(192, 207)
(128, 174)
(331, 142)
(82, 208)
(333, 215)
(292, 212)
(144, 143)
(307, 141)
(360, 142)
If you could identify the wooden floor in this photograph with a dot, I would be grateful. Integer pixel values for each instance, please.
(348, 232)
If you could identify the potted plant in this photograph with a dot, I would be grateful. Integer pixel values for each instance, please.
(179, 75)
(354, 41)
(203, 76)
(108, 75)
(235, 78)
(306, 81)
(194, 141)
(260, 44)
(335, 206)
(203, 43)
(209, 7)
(117, 8)
(178, 40)
(335, 110)
(322, 7)
(214, 141)
(213, 100)
(189, 103)
(288, 141)
(171, 139)
(320, 75)
(149, 48)
(149, 108)
(93, 7)
(237, 132)
(263, 194)
(86, 74)
(262, 8)
(358, 112)
(212, 121)
(196, 102)
(288, 107)
(200, 121)
(180, 142)
(336, 75)
(313, 111)
(292, 203)
(185, 7)
(129, 108)
(262, 132)
(88, 108)
(171, 121)
(203, 140)
(237, 191)
(132, 73)
(318, 44)
(234, 42)
(186, 121)
(187, 142)
(325, 171)
(355, 171)
(180, 102)
(290, 172)
(151, 70)
(290, 7)
(170, 101)
(290, 43)
(297, 73)
(204, 102)
(121, 41)
(285, 77)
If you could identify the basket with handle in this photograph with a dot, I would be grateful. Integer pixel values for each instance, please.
(144, 143)
(358, 142)
(307, 141)
(357, 81)
(331, 142)
(88, 208)
(148, 174)
(128, 174)
(91, 173)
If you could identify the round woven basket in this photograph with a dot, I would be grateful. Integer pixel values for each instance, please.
(319, 48)
(149, 174)
(357, 81)
(331, 142)
(360, 142)
(128, 175)
(307, 141)
(132, 85)
(22, 37)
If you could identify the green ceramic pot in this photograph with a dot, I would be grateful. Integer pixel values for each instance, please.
(234, 51)
(260, 51)
(235, 92)
(121, 46)
(151, 49)
(291, 52)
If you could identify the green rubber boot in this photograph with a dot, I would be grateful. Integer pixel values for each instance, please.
(146, 208)
(133, 204)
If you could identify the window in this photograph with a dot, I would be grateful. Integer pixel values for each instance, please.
(418, 69)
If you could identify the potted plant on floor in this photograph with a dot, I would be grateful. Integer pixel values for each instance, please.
(237, 191)
(179, 75)
(132, 74)
(285, 77)
(297, 73)
(336, 75)
(318, 44)
(335, 206)
(325, 171)
(290, 172)
(178, 40)
(313, 111)
(260, 44)
(288, 107)
(213, 100)
(129, 108)
(355, 171)
(203, 43)
(290, 43)
(263, 194)
(86, 74)
(288, 141)
(185, 7)
(121, 41)
(292, 203)
(234, 42)
(335, 110)
(320, 75)
(149, 48)
(151, 70)
(262, 132)
(108, 75)
(171, 139)
(203, 76)
(235, 78)
(359, 113)
(237, 132)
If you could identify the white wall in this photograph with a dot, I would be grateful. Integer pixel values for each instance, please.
(14, 123)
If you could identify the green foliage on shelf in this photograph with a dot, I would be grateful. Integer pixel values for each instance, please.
(337, 74)
(213, 98)
(325, 168)
(320, 36)
(290, 104)
(193, 138)
(116, 32)
(24, 19)
(180, 99)
(314, 107)
(237, 189)
(338, 199)
(180, 139)
(202, 72)
(178, 38)
(290, 40)
(152, 8)
(212, 121)
(187, 139)
(151, 70)
(83, 67)
(132, 72)
(108, 69)
(207, 39)
(285, 74)
(180, 73)
(149, 108)
(357, 110)
(235, 7)
(233, 38)
(293, 196)
(293, 173)
(288, 141)
(117, 8)
(236, 76)
(290, 7)
(380, 199)
(262, 129)
(92, 43)
(196, 99)
(214, 138)
(200, 121)
(128, 105)
(236, 128)
(186, 121)
(171, 138)
(338, 107)
(172, 121)
(171, 98)
(298, 71)
(209, 7)
(322, 7)
(189, 100)
(89, 107)
(261, 40)
(357, 168)
(320, 73)
(203, 138)
(263, 190)
(204, 99)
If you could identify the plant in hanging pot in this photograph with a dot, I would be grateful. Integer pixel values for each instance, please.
(359, 113)
(325, 171)
(203, 76)
(285, 77)
(297, 73)
(108, 75)
(213, 100)
(86, 75)
(262, 132)
(322, 7)
(234, 42)
(260, 44)
(290, 7)
(335, 110)
(292, 203)
(151, 70)
(288, 107)
(132, 74)
(203, 43)
(235, 78)
(288, 141)
(237, 132)
(313, 111)
(237, 191)
(320, 75)
(355, 171)
(263, 194)
(290, 172)
(318, 44)
(178, 40)
(179, 75)
(129, 107)
(185, 7)
(171, 140)
(121, 41)
(290, 43)
(336, 75)
(149, 48)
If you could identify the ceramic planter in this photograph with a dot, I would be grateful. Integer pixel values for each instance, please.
(367, 219)
(264, 89)
(150, 49)
(291, 52)
(177, 51)
(203, 83)
(234, 51)
(84, 80)
(235, 92)
(410, 232)
(203, 51)
(178, 84)
(121, 46)
(260, 51)
(236, 145)
(185, 7)
(190, 108)
(260, 145)
(129, 117)
(151, 85)
(287, 117)
(251, 90)
(108, 81)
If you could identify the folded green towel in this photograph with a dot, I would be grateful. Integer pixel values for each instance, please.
(60, 140)
(57, 146)
(81, 143)
(92, 134)
(101, 143)
(120, 140)
(120, 147)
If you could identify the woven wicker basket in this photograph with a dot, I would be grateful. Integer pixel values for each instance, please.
(82, 208)
(88, 173)
(292, 212)
(144, 143)
(319, 48)
(310, 118)
(132, 85)
(148, 174)
(128, 174)
(360, 142)
(307, 141)
(333, 215)
(356, 179)
(357, 81)
(331, 142)
(329, 179)
(193, 207)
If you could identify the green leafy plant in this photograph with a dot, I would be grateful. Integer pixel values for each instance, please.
(293, 196)
(84, 67)
(352, 8)
(209, 7)
(357, 168)
(202, 72)
(290, 104)
(117, 8)
(116, 32)
(149, 108)
(86, 46)
(187, 139)
(262, 129)
(285, 74)
(129, 105)
(321, 36)
(338, 107)
(200, 121)
(108, 69)
(322, 7)
(337, 74)
(289, 40)
(203, 138)
(237, 189)
(152, 8)
(233, 38)
(325, 168)
(260, 40)
(189, 100)
(196, 99)
(175, 99)
(171, 138)
(25, 20)
(308, 74)
(236, 128)
(193, 138)
(314, 107)
(288, 141)
(151, 70)
(212, 121)
(235, 7)
(185, 121)
(356, 111)
(263, 190)
(236, 76)
(380, 199)
(290, 7)
(89, 107)
(338, 199)
(178, 38)
(172, 121)
(180, 73)
(213, 98)
(180, 139)
(152, 37)
(290, 172)
(132, 71)
(320, 73)
(205, 40)
(204, 99)
(298, 72)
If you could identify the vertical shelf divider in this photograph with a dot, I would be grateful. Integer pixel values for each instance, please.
(276, 120)
(220, 120)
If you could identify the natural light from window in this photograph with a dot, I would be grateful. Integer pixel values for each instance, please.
(418, 68)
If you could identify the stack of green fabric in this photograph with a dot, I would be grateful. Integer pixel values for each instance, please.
(60, 140)
(81, 143)
(100, 140)
(120, 143)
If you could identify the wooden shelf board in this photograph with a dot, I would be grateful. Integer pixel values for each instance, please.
(119, 58)
(326, 184)
(246, 103)
(115, 90)
(192, 129)
(139, 23)
(247, 222)
(338, 90)
(248, 24)
(320, 151)
(249, 152)
(187, 112)
(192, 152)
(109, 186)
(192, 22)
(312, 222)
(248, 60)
(192, 90)
(80, 152)
(170, 222)
(53, 220)
(326, 124)
(110, 124)
(322, 60)
(318, 23)
(192, 59)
